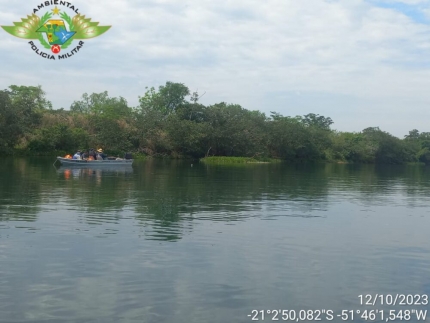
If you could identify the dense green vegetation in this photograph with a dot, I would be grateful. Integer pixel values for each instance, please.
(171, 122)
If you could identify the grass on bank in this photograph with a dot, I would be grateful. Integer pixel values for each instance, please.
(238, 160)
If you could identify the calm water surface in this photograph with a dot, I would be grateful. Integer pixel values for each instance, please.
(167, 242)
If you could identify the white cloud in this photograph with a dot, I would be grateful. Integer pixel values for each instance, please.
(243, 52)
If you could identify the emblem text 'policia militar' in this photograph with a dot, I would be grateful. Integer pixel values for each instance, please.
(56, 33)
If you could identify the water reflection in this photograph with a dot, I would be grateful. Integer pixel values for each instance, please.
(166, 242)
(68, 173)
(20, 189)
(165, 198)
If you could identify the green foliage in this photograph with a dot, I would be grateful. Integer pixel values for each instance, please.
(187, 138)
(413, 135)
(102, 104)
(352, 147)
(21, 109)
(29, 98)
(150, 133)
(292, 139)
(390, 150)
(10, 129)
(424, 155)
(167, 100)
(173, 95)
(109, 134)
(234, 131)
(166, 124)
(419, 142)
(58, 137)
(315, 120)
(372, 145)
(191, 111)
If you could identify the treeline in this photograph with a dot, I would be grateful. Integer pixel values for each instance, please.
(171, 122)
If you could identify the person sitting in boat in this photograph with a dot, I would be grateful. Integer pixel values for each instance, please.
(92, 154)
(77, 155)
(100, 154)
(84, 155)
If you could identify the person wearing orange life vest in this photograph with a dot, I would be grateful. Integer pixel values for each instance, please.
(92, 154)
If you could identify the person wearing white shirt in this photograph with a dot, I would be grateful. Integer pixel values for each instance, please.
(77, 155)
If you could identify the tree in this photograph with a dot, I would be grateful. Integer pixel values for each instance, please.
(167, 100)
(173, 95)
(187, 138)
(352, 147)
(102, 104)
(390, 149)
(286, 136)
(234, 131)
(315, 120)
(29, 103)
(413, 135)
(111, 134)
(10, 130)
(21, 108)
(29, 98)
(58, 137)
(298, 138)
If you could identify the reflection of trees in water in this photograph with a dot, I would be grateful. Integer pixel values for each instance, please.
(20, 189)
(167, 196)
(96, 190)
(378, 183)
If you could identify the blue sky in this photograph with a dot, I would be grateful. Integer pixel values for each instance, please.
(415, 10)
(361, 62)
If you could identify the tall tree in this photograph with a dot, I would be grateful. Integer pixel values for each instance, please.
(21, 108)
(9, 123)
(315, 120)
(102, 104)
(29, 98)
(167, 99)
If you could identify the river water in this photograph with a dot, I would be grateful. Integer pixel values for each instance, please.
(168, 241)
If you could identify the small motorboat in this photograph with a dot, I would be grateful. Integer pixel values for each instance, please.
(98, 163)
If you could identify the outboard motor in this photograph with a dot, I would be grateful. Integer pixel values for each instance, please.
(128, 156)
